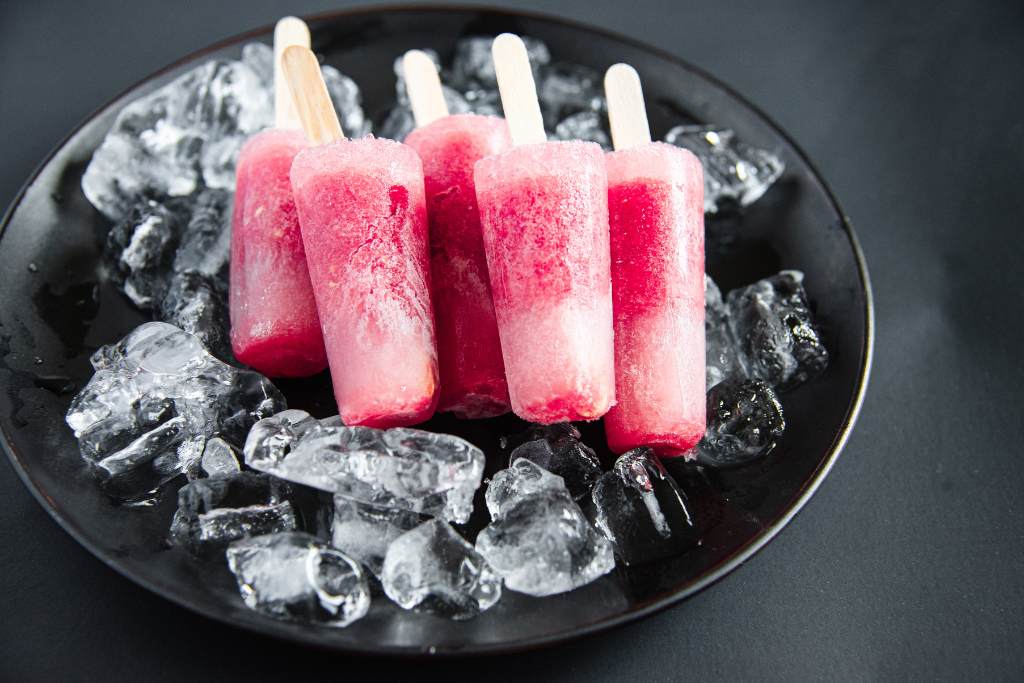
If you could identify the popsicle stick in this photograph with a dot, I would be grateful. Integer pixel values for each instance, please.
(518, 91)
(309, 93)
(289, 31)
(424, 88)
(627, 115)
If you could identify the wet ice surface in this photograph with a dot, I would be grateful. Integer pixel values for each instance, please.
(733, 170)
(777, 336)
(292, 575)
(521, 479)
(542, 544)
(565, 456)
(224, 508)
(718, 342)
(406, 469)
(642, 510)
(219, 457)
(365, 531)
(157, 396)
(431, 568)
(745, 422)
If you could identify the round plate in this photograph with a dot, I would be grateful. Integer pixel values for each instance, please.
(55, 310)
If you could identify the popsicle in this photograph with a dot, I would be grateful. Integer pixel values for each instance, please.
(274, 323)
(656, 215)
(469, 352)
(544, 214)
(363, 217)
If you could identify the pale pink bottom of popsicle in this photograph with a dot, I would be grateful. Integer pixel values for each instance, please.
(580, 389)
(654, 376)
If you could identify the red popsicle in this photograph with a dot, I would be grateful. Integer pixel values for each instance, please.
(274, 323)
(656, 217)
(472, 373)
(364, 226)
(544, 213)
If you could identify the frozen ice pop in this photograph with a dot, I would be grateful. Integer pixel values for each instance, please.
(469, 353)
(363, 216)
(544, 214)
(656, 216)
(274, 323)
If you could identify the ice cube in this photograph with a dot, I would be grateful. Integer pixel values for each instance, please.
(156, 397)
(260, 58)
(473, 66)
(718, 342)
(565, 89)
(186, 135)
(543, 544)
(483, 102)
(214, 512)
(406, 469)
(196, 305)
(219, 458)
(521, 479)
(206, 242)
(585, 125)
(745, 422)
(777, 337)
(574, 462)
(642, 510)
(157, 145)
(293, 576)
(733, 170)
(556, 434)
(364, 531)
(139, 250)
(432, 569)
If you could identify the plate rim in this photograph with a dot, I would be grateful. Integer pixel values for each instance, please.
(280, 630)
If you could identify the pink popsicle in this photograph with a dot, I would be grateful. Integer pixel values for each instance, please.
(656, 216)
(274, 323)
(364, 225)
(544, 213)
(472, 373)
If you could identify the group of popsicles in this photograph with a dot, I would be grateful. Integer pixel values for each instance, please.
(478, 267)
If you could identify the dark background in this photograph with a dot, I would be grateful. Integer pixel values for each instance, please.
(906, 564)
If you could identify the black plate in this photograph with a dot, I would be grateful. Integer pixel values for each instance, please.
(55, 310)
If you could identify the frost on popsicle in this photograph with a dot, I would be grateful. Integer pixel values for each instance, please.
(156, 398)
(292, 575)
(405, 469)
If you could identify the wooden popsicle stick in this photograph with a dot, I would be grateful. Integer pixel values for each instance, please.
(288, 31)
(424, 88)
(627, 115)
(309, 93)
(518, 91)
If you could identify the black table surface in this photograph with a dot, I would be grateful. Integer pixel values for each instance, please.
(906, 564)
